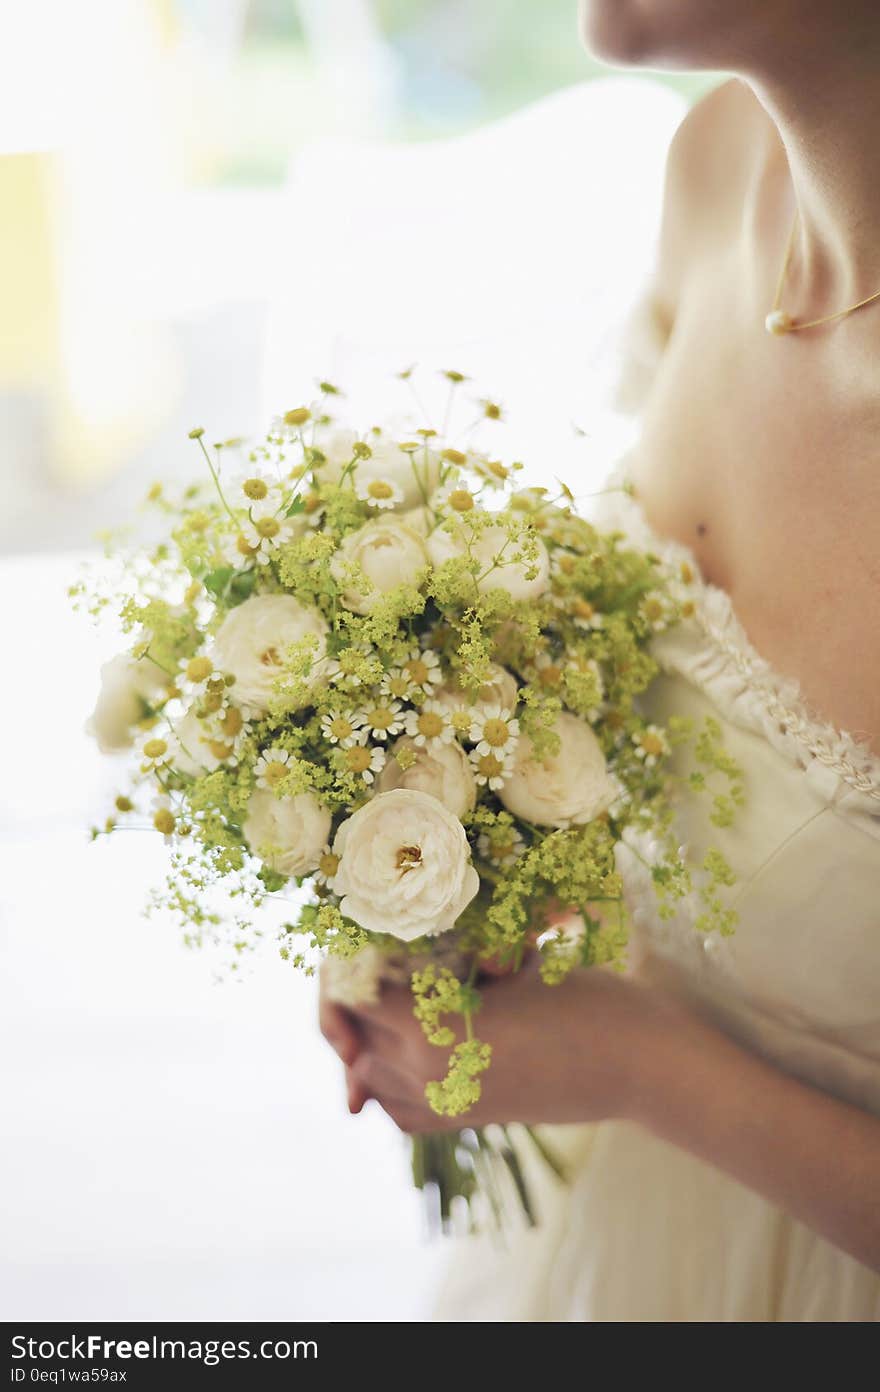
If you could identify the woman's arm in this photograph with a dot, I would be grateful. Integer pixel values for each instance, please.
(812, 1155)
(601, 1046)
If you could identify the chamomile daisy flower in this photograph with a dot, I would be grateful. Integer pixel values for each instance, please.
(654, 608)
(155, 752)
(328, 864)
(430, 725)
(364, 760)
(341, 728)
(260, 494)
(584, 614)
(378, 492)
(289, 426)
(491, 769)
(423, 669)
(163, 815)
(382, 719)
(271, 767)
(546, 671)
(503, 848)
(650, 745)
(264, 534)
(454, 497)
(495, 731)
(397, 684)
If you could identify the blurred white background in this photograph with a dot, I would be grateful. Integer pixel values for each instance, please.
(205, 205)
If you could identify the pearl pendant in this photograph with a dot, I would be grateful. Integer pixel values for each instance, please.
(778, 322)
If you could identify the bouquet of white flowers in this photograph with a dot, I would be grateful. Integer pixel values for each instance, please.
(371, 675)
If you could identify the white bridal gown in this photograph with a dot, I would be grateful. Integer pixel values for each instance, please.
(645, 1231)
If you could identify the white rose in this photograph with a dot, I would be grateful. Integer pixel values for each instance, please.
(509, 575)
(415, 476)
(388, 552)
(443, 771)
(128, 686)
(288, 834)
(253, 639)
(499, 689)
(573, 786)
(404, 866)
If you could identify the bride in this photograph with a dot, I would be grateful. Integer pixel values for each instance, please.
(731, 1163)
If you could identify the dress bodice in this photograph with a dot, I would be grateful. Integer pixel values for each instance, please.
(799, 978)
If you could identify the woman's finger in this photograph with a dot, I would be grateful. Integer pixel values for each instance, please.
(340, 1030)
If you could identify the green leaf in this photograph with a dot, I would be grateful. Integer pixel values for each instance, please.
(216, 582)
(298, 505)
(241, 586)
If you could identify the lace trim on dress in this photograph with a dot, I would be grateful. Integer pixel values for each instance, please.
(730, 670)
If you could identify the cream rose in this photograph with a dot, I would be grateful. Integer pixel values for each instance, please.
(499, 689)
(128, 686)
(573, 786)
(288, 834)
(509, 575)
(415, 476)
(443, 771)
(404, 865)
(388, 552)
(252, 641)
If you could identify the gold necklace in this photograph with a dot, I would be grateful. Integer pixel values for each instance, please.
(778, 322)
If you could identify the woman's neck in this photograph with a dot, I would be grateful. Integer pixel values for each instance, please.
(827, 125)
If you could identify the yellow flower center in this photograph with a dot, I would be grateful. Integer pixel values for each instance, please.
(198, 668)
(583, 609)
(378, 488)
(489, 766)
(232, 722)
(311, 502)
(214, 701)
(495, 467)
(502, 849)
(418, 670)
(687, 573)
(124, 804)
(164, 821)
(243, 546)
(381, 718)
(268, 527)
(398, 686)
(341, 728)
(430, 724)
(496, 733)
(462, 720)
(551, 675)
(299, 416)
(328, 864)
(155, 748)
(358, 758)
(408, 857)
(274, 772)
(493, 410)
(566, 565)
(269, 657)
(460, 500)
(652, 744)
(454, 456)
(220, 750)
(256, 489)
(653, 609)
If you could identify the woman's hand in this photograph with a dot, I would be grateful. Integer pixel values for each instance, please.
(566, 1053)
